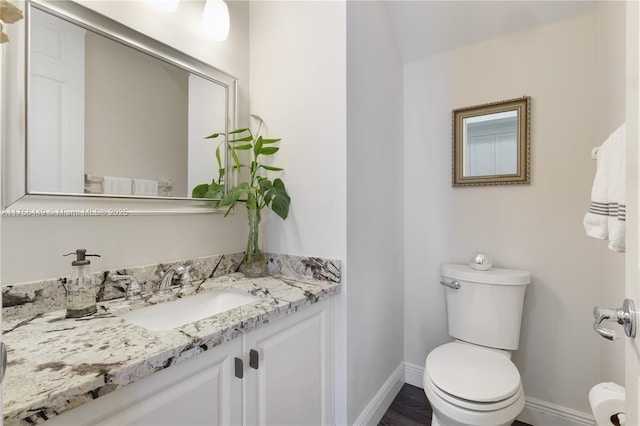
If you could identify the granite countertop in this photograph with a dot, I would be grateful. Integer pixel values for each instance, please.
(56, 364)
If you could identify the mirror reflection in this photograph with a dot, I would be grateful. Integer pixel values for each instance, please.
(491, 143)
(105, 118)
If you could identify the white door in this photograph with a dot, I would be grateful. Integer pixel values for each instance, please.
(289, 382)
(55, 126)
(632, 260)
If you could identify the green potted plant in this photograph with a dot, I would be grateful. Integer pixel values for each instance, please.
(259, 192)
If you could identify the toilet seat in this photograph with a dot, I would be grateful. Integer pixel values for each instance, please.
(479, 414)
(472, 377)
(472, 405)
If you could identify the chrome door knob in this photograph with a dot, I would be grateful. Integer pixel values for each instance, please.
(625, 316)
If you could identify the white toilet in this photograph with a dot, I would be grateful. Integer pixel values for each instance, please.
(472, 381)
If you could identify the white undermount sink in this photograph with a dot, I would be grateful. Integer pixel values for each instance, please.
(169, 315)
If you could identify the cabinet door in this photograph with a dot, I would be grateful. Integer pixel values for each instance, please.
(200, 391)
(292, 384)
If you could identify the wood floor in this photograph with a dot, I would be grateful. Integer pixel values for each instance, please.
(411, 408)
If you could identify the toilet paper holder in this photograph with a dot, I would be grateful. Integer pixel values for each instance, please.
(618, 419)
(625, 316)
(607, 401)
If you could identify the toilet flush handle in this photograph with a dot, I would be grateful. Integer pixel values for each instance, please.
(455, 284)
(625, 316)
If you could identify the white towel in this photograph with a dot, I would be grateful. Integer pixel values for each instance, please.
(145, 187)
(116, 186)
(606, 216)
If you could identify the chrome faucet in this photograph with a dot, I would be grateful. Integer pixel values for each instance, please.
(164, 284)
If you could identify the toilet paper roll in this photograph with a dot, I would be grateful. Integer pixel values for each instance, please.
(606, 399)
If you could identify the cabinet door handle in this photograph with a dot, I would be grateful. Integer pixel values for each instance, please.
(254, 359)
(239, 368)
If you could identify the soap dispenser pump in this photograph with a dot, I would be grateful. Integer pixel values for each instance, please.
(80, 287)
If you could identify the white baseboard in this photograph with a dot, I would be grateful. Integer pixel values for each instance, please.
(543, 413)
(413, 374)
(535, 412)
(373, 412)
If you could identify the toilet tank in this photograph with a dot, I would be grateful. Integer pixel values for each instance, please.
(487, 308)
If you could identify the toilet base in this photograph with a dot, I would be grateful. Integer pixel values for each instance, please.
(435, 421)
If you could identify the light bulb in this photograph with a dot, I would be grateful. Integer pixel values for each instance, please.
(215, 18)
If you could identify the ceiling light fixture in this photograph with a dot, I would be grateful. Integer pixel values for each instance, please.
(215, 17)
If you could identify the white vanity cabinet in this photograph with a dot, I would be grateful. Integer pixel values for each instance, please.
(199, 391)
(291, 385)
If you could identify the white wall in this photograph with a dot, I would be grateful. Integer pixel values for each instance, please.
(374, 207)
(298, 85)
(537, 227)
(298, 88)
(129, 241)
(300, 72)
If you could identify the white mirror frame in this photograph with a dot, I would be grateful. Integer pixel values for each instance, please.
(15, 199)
(522, 175)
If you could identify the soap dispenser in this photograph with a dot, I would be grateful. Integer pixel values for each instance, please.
(80, 287)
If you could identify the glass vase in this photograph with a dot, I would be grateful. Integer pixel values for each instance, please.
(255, 262)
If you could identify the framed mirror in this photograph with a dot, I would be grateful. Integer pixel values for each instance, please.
(491, 143)
(108, 116)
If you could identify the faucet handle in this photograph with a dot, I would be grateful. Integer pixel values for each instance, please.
(134, 290)
(186, 280)
(193, 265)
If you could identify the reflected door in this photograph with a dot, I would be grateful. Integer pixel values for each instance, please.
(56, 101)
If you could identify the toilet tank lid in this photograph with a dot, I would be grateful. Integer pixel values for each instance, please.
(492, 276)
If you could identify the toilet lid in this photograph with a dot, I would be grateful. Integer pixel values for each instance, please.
(472, 372)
